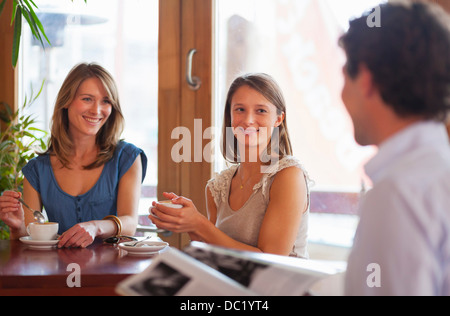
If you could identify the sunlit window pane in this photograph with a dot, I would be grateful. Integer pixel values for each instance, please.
(122, 36)
(295, 41)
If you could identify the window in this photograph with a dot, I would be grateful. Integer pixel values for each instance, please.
(296, 42)
(293, 40)
(122, 36)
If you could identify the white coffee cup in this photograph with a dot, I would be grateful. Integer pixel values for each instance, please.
(45, 231)
(165, 203)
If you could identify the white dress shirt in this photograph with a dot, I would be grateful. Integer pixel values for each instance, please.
(402, 244)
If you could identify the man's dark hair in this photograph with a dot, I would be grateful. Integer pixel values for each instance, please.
(408, 56)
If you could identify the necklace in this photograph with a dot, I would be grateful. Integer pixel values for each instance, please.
(242, 183)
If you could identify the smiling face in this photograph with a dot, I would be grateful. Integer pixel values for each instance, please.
(254, 120)
(253, 117)
(90, 109)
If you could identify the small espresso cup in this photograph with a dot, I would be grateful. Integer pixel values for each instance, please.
(45, 231)
(165, 203)
(170, 204)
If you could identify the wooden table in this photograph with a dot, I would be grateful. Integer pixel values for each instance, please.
(25, 271)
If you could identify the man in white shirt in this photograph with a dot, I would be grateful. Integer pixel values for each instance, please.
(397, 92)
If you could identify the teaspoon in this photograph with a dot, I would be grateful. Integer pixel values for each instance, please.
(135, 244)
(37, 215)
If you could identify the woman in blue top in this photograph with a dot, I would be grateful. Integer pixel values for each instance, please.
(87, 173)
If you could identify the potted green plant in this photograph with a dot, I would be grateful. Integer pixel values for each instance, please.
(19, 143)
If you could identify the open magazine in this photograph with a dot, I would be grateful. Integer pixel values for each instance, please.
(205, 270)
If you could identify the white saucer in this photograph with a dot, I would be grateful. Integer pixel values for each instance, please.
(39, 244)
(145, 248)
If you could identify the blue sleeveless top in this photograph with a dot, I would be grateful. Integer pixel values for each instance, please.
(98, 202)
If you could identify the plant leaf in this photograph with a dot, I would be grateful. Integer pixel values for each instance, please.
(39, 92)
(36, 21)
(32, 2)
(17, 34)
(34, 29)
(14, 12)
(2, 5)
(6, 113)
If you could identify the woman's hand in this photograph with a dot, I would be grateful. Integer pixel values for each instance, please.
(79, 236)
(185, 220)
(11, 211)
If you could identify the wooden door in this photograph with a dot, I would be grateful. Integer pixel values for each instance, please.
(184, 25)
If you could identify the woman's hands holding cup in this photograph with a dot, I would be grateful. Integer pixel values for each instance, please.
(11, 211)
(178, 220)
(12, 214)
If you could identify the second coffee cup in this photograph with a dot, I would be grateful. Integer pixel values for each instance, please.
(45, 231)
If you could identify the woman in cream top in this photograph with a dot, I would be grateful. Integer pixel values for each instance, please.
(244, 225)
(261, 203)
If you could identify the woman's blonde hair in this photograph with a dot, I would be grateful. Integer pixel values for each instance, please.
(60, 143)
(267, 87)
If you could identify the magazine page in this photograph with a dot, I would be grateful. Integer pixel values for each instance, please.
(333, 285)
(270, 275)
(174, 273)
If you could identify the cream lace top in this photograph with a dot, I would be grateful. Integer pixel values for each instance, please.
(244, 225)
